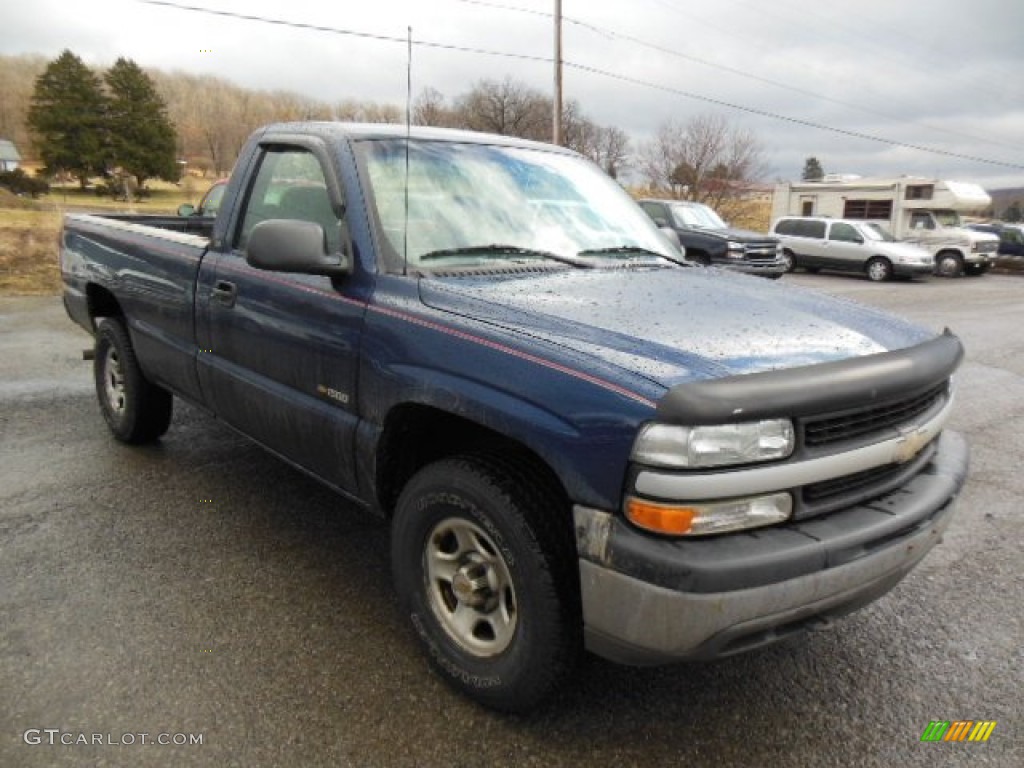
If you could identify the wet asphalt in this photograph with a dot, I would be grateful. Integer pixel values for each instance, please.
(201, 589)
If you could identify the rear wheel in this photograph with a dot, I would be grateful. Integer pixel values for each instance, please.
(485, 568)
(136, 410)
(878, 269)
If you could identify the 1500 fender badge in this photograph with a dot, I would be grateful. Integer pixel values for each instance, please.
(332, 393)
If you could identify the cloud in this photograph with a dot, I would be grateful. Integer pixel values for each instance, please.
(939, 74)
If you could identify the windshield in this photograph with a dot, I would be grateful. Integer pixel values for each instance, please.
(947, 218)
(875, 231)
(473, 203)
(698, 216)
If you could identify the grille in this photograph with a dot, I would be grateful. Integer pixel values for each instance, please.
(831, 429)
(765, 252)
(825, 496)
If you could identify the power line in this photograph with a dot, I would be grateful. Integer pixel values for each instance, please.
(734, 71)
(586, 69)
(346, 32)
(794, 120)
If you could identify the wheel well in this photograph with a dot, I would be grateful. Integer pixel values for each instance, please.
(416, 435)
(949, 252)
(101, 303)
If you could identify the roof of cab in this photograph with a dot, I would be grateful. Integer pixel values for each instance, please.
(370, 131)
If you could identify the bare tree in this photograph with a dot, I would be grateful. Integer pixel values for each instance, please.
(18, 75)
(368, 112)
(508, 108)
(607, 146)
(612, 150)
(705, 159)
(431, 108)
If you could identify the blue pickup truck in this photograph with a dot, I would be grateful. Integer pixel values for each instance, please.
(580, 440)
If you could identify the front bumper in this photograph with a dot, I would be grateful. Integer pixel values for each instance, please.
(651, 600)
(764, 268)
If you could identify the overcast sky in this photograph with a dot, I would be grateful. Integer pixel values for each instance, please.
(946, 75)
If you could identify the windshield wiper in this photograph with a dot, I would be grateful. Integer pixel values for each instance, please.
(503, 250)
(623, 249)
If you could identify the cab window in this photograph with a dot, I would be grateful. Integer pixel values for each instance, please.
(290, 184)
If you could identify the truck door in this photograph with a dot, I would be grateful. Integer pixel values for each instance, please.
(282, 349)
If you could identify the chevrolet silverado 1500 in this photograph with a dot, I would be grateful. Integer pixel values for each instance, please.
(580, 441)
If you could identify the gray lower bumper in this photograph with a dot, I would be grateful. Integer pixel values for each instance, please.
(633, 621)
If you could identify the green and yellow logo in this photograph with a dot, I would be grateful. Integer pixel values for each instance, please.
(958, 730)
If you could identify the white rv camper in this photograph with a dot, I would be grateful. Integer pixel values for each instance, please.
(918, 210)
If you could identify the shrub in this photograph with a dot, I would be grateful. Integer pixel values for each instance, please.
(20, 183)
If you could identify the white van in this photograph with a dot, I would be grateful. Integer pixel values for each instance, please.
(850, 245)
(922, 211)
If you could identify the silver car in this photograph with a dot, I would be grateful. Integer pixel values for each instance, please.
(815, 243)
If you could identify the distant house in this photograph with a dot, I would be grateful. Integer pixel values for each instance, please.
(9, 157)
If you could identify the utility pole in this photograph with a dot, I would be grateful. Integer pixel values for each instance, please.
(556, 118)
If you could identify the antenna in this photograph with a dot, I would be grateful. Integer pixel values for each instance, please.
(408, 131)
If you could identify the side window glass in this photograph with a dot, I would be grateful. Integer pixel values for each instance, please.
(843, 233)
(653, 210)
(815, 229)
(290, 184)
(921, 221)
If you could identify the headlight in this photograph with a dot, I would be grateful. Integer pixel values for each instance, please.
(669, 445)
(735, 250)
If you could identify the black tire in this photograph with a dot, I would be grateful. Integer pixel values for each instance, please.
(949, 264)
(878, 269)
(485, 568)
(136, 410)
(790, 259)
(699, 257)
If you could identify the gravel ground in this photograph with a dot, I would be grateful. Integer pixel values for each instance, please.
(201, 587)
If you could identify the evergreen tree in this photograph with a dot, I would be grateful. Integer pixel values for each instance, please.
(813, 170)
(1013, 212)
(67, 116)
(142, 138)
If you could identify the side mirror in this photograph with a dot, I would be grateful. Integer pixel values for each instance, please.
(186, 209)
(660, 222)
(291, 245)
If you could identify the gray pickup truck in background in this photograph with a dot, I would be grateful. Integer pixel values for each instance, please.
(710, 241)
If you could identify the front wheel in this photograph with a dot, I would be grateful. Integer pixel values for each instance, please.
(949, 264)
(484, 566)
(789, 259)
(878, 269)
(136, 410)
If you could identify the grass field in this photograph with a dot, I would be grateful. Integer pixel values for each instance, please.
(29, 230)
(28, 251)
